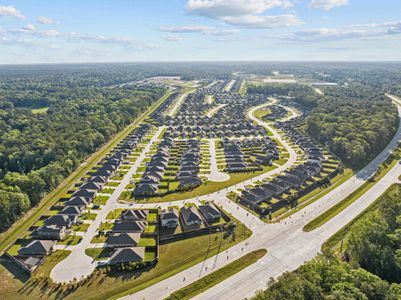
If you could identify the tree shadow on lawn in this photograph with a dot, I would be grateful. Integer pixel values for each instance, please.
(125, 276)
(14, 269)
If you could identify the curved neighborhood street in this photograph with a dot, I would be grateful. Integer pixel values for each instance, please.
(287, 244)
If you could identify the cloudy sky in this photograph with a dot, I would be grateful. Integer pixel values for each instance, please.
(49, 31)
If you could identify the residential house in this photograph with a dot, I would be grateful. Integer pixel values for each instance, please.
(37, 248)
(169, 218)
(210, 213)
(50, 232)
(61, 220)
(127, 255)
(134, 214)
(119, 240)
(129, 226)
(190, 216)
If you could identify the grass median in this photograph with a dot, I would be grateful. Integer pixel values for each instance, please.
(333, 243)
(218, 276)
(315, 195)
(346, 202)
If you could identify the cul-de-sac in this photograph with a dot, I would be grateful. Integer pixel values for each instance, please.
(200, 149)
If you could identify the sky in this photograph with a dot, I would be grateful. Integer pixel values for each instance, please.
(74, 31)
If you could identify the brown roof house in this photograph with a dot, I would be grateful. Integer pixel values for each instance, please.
(127, 255)
(37, 248)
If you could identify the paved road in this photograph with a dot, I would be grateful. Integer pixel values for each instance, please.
(229, 85)
(215, 174)
(78, 264)
(209, 99)
(288, 246)
(177, 104)
(214, 110)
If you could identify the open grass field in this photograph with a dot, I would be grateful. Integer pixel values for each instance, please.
(173, 258)
(40, 110)
(260, 113)
(216, 277)
(21, 226)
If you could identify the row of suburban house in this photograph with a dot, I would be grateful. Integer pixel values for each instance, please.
(190, 217)
(157, 114)
(263, 149)
(57, 227)
(123, 239)
(189, 168)
(293, 179)
(153, 175)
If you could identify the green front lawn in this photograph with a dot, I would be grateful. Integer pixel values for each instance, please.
(99, 239)
(99, 253)
(114, 214)
(100, 200)
(173, 258)
(105, 226)
(147, 242)
(107, 190)
(88, 216)
(70, 240)
(152, 217)
(150, 229)
(80, 227)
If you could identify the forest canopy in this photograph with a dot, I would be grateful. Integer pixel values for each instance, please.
(372, 261)
(47, 129)
(355, 122)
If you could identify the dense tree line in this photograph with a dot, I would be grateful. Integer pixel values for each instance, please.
(374, 242)
(354, 122)
(326, 277)
(303, 94)
(38, 150)
(372, 266)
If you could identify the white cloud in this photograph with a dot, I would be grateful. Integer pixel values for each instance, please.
(222, 32)
(360, 31)
(327, 4)
(25, 43)
(206, 30)
(173, 38)
(130, 43)
(45, 20)
(185, 29)
(10, 11)
(29, 29)
(252, 21)
(244, 13)
(49, 33)
(222, 8)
